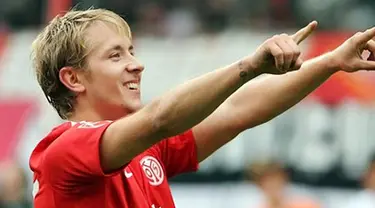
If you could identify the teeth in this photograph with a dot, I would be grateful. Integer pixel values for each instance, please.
(132, 85)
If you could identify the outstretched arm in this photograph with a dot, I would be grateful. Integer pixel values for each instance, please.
(261, 100)
(189, 104)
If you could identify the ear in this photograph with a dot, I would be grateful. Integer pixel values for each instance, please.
(71, 79)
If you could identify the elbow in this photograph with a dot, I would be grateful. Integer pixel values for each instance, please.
(160, 126)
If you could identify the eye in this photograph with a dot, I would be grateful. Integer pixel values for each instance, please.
(115, 56)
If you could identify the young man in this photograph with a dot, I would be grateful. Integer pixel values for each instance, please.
(114, 152)
(272, 179)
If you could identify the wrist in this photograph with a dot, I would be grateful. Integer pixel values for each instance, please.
(251, 67)
(330, 62)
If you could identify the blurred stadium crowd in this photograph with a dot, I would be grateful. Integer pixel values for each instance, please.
(184, 17)
(318, 154)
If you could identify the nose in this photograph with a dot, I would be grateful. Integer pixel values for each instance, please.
(135, 66)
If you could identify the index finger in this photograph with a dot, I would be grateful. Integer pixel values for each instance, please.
(303, 33)
(366, 36)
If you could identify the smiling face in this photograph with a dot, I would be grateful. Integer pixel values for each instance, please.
(110, 83)
(113, 81)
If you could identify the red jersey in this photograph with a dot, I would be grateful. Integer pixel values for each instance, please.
(68, 174)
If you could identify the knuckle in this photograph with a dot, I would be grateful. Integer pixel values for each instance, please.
(270, 41)
(284, 35)
(289, 53)
(292, 42)
(356, 36)
(353, 39)
(266, 43)
(278, 54)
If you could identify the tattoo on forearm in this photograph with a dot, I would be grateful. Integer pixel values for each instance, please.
(243, 72)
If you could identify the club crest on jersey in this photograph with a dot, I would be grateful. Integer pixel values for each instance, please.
(153, 170)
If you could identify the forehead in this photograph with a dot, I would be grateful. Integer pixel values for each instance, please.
(101, 35)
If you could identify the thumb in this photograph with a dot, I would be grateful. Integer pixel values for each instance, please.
(367, 65)
(305, 32)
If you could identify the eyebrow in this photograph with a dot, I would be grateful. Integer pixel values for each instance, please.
(119, 48)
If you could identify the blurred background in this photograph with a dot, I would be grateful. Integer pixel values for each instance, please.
(321, 153)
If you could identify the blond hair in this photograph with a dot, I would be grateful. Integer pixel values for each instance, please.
(62, 43)
(258, 169)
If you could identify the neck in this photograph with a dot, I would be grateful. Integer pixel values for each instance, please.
(85, 115)
(92, 113)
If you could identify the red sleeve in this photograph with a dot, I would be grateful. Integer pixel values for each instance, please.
(74, 156)
(179, 154)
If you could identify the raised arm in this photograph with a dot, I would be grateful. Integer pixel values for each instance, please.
(187, 105)
(261, 100)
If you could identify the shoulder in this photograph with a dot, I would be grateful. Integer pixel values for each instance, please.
(82, 132)
(67, 137)
(41, 148)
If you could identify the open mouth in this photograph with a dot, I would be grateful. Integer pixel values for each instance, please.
(132, 86)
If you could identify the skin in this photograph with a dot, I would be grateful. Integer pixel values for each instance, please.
(111, 65)
(273, 186)
(369, 179)
(216, 116)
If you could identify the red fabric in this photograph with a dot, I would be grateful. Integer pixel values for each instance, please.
(67, 170)
(332, 92)
(56, 7)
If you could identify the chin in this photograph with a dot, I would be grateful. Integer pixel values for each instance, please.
(134, 106)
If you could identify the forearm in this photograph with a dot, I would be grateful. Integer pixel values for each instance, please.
(190, 103)
(261, 100)
(173, 113)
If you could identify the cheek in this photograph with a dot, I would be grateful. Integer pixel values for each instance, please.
(109, 88)
(102, 88)
(108, 79)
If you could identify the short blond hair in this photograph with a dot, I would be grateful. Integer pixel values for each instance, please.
(62, 43)
(259, 169)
